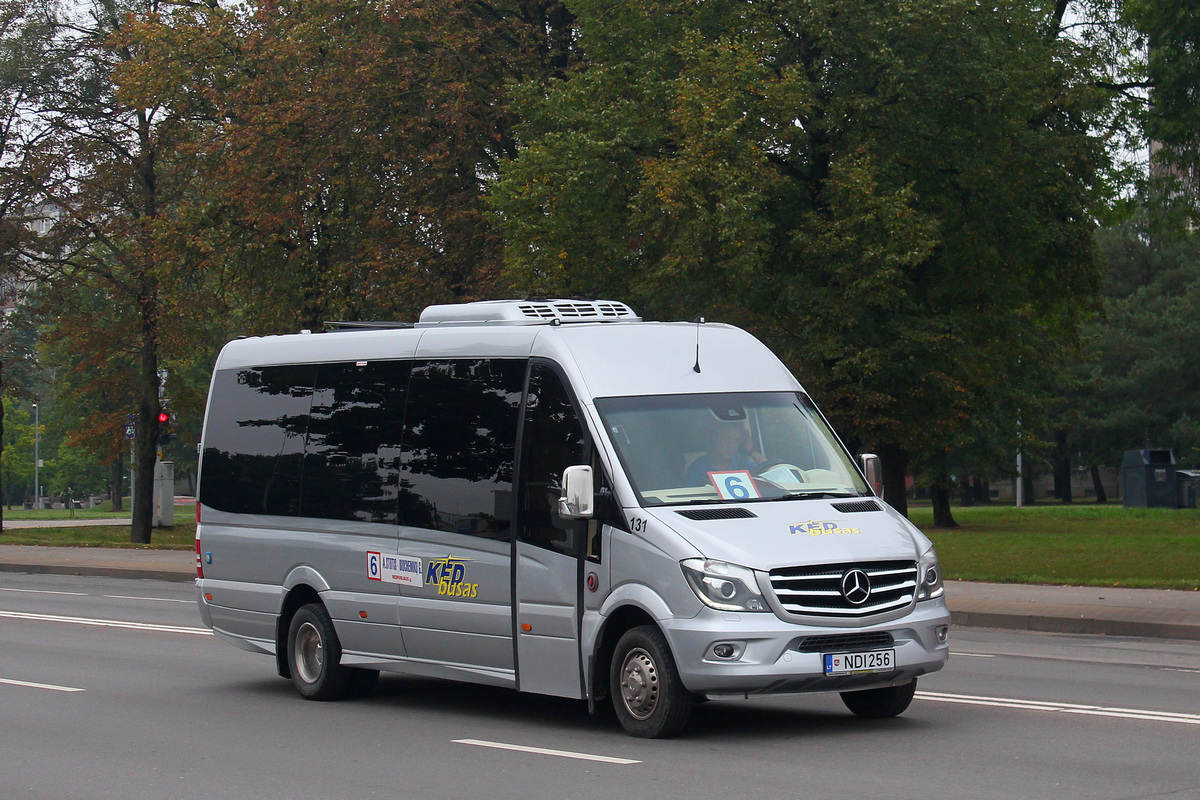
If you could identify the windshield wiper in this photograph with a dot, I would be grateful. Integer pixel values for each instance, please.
(813, 495)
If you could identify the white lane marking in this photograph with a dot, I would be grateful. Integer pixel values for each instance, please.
(49, 686)
(546, 752)
(107, 623)
(153, 599)
(108, 596)
(972, 655)
(43, 591)
(1062, 708)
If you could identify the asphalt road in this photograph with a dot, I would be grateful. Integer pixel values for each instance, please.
(157, 708)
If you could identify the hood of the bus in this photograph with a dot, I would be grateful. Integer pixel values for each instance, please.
(796, 532)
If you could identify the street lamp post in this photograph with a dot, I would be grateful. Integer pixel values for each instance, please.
(37, 492)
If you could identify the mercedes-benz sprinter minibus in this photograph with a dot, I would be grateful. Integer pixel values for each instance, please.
(560, 498)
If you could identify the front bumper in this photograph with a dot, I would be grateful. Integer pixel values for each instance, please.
(770, 660)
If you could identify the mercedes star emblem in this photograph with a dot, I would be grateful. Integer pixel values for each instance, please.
(856, 587)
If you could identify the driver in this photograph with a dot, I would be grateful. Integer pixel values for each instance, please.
(732, 449)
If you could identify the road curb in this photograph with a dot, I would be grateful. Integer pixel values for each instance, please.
(105, 572)
(1051, 624)
(1068, 622)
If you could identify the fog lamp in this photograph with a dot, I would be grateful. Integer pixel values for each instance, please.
(727, 651)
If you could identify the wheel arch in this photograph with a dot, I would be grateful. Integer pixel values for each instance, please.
(619, 620)
(298, 596)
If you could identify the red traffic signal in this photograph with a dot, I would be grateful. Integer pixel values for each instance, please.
(165, 434)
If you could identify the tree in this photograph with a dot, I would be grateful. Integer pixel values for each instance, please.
(1139, 381)
(1172, 67)
(110, 173)
(345, 148)
(897, 197)
(91, 339)
(16, 459)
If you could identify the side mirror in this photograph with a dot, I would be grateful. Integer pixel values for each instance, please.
(577, 493)
(873, 469)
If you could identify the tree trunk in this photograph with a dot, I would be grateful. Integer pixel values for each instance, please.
(894, 463)
(1027, 481)
(1, 448)
(1062, 468)
(942, 515)
(116, 481)
(969, 493)
(145, 445)
(1098, 485)
(939, 493)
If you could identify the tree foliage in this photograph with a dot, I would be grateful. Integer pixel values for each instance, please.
(108, 176)
(1140, 384)
(1172, 32)
(346, 145)
(897, 195)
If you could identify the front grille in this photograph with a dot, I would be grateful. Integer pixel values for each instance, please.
(816, 591)
(717, 513)
(849, 642)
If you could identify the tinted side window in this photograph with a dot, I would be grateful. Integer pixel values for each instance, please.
(254, 445)
(353, 451)
(459, 439)
(553, 440)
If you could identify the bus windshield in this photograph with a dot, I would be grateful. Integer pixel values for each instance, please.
(721, 448)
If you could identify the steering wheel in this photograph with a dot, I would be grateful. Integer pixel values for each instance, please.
(770, 464)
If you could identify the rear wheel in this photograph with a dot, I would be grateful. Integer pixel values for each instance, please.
(362, 681)
(647, 694)
(890, 701)
(315, 655)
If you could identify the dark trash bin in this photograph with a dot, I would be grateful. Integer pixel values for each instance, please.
(1187, 487)
(1149, 479)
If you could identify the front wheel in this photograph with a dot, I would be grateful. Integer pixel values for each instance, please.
(647, 694)
(315, 655)
(890, 701)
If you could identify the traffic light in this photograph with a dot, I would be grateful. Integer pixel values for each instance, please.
(165, 428)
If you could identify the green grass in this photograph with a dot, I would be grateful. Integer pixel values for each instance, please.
(99, 512)
(181, 537)
(1086, 545)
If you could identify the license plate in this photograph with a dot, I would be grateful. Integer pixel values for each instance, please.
(851, 663)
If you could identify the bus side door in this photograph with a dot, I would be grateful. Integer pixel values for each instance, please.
(549, 549)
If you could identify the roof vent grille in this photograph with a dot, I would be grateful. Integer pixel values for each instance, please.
(524, 312)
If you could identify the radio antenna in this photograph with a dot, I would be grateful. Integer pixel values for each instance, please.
(699, 322)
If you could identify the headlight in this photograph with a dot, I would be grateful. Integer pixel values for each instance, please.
(722, 586)
(931, 576)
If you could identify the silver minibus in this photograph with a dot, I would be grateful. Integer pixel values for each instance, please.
(557, 497)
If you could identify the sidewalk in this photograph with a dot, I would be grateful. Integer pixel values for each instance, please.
(163, 565)
(1113, 611)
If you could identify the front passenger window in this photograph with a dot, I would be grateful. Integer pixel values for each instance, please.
(553, 440)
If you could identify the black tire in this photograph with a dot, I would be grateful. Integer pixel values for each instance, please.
(890, 701)
(647, 694)
(315, 655)
(362, 681)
